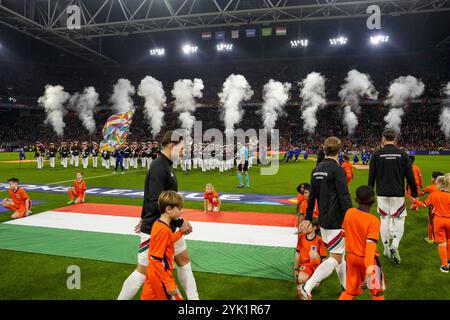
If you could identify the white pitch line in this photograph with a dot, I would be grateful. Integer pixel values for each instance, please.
(94, 177)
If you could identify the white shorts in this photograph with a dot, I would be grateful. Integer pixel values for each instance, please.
(333, 240)
(179, 246)
(391, 206)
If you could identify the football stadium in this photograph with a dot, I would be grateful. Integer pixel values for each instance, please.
(224, 150)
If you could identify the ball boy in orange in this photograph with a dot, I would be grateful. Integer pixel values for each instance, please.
(440, 200)
(362, 231)
(430, 189)
(77, 193)
(18, 200)
(211, 201)
(348, 168)
(159, 281)
(309, 253)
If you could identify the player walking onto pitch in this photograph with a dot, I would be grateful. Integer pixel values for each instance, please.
(388, 168)
(329, 187)
(161, 177)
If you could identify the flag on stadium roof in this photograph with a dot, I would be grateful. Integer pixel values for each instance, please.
(206, 35)
(116, 130)
(220, 35)
(250, 33)
(234, 34)
(266, 32)
(281, 31)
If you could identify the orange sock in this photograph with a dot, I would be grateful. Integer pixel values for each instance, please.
(346, 296)
(71, 195)
(448, 250)
(442, 249)
(377, 297)
(430, 232)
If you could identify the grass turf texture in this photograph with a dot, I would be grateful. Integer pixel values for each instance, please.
(417, 277)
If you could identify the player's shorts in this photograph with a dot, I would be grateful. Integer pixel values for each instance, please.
(356, 274)
(154, 288)
(391, 206)
(21, 208)
(179, 247)
(245, 168)
(441, 227)
(333, 240)
(306, 268)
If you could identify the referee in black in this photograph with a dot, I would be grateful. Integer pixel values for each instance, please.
(388, 168)
(161, 177)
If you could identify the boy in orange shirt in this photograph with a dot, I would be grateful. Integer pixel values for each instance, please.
(348, 168)
(159, 281)
(300, 189)
(418, 179)
(362, 231)
(309, 254)
(212, 199)
(77, 193)
(440, 200)
(304, 204)
(19, 202)
(430, 189)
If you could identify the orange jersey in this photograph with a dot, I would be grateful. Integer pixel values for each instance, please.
(304, 206)
(161, 253)
(80, 187)
(300, 198)
(347, 166)
(417, 175)
(209, 196)
(19, 196)
(430, 189)
(305, 246)
(440, 200)
(360, 227)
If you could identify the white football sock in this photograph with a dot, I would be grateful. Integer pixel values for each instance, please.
(131, 286)
(399, 228)
(384, 231)
(322, 272)
(187, 280)
(341, 270)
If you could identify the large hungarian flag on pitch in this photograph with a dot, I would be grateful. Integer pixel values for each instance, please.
(238, 243)
(116, 130)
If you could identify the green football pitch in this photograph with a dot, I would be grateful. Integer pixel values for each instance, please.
(37, 276)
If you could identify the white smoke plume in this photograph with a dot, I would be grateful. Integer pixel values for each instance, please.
(53, 102)
(84, 104)
(185, 91)
(275, 95)
(235, 90)
(121, 97)
(357, 85)
(313, 95)
(444, 119)
(401, 91)
(152, 91)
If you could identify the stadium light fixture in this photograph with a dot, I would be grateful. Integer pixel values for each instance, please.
(339, 41)
(189, 49)
(299, 43)
(157, 52)
(379, 39)
(224, 47)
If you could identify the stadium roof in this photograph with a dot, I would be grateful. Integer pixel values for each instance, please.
(45, 20)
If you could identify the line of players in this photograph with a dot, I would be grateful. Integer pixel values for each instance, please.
(197, 156)
(293, 153)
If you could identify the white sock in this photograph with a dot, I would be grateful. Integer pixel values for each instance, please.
(341, 270)
(322, 272)
(187, 280)
(399, 228)
(384, 231)
(131, 286)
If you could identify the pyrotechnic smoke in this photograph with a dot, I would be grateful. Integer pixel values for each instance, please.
(313, 95)
(235, 90)
(275, 95)
(444, 119)
(53, 102)
(121, 97)
(85, 103)
(155, 100)
(185, 91)
(356, 86)
(401, 91)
